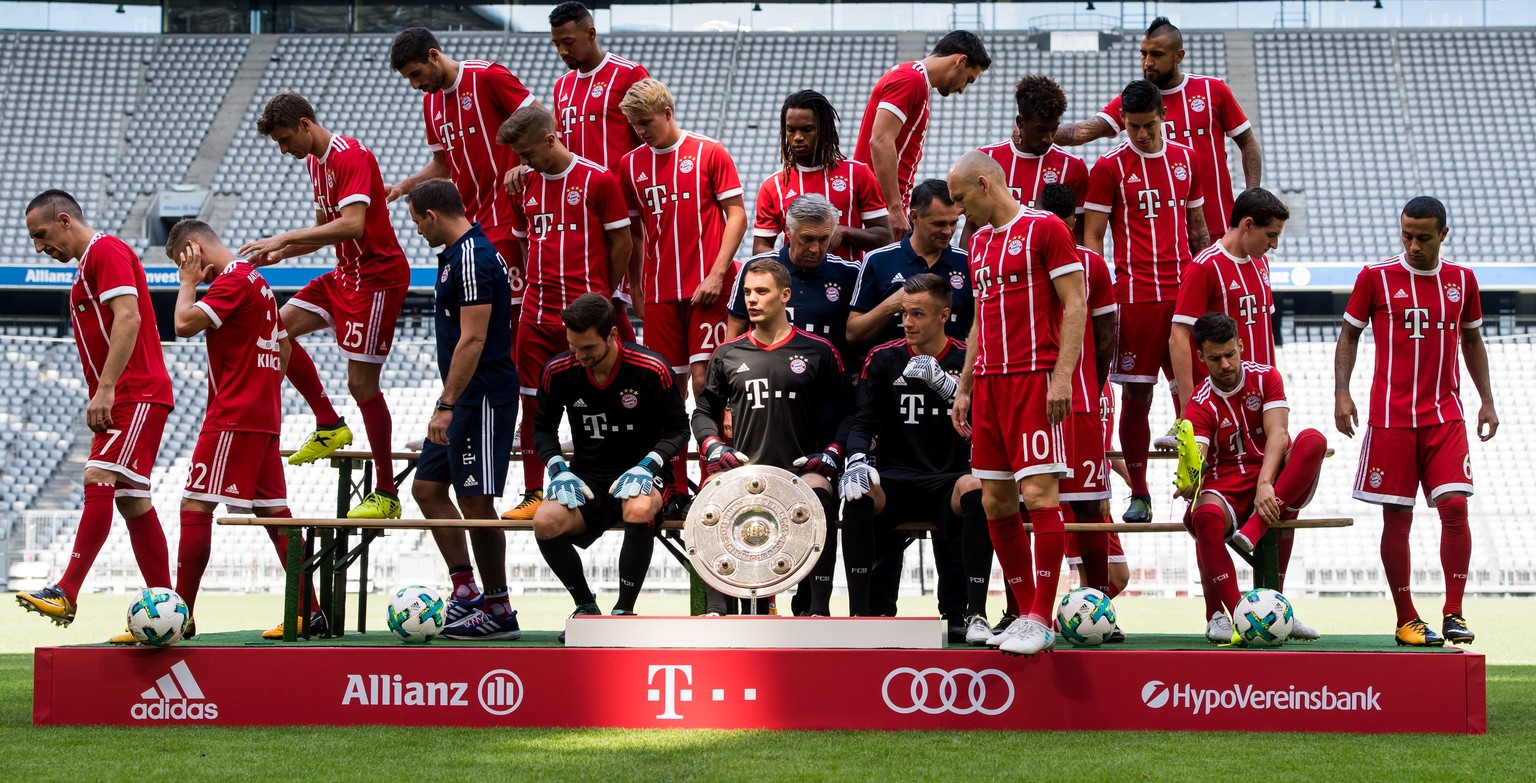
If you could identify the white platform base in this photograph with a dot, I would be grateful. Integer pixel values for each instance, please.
(757, 633)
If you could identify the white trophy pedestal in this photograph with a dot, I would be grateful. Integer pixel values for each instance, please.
(757, 633)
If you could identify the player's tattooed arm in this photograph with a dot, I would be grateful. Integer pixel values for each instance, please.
(1345, 415)
(1253, 157)
(1076, 134)
(1199, 234)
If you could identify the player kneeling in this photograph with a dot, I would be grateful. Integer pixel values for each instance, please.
(1254, 470)
(236, 460)
(904, 398)
(627, 422)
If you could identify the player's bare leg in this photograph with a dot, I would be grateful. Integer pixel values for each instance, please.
(331, 431)
(1135, 442)
(496, 620)
(453, 545)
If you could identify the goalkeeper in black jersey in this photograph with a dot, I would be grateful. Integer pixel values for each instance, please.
(627, 421)
(905, 393)
(786, 390)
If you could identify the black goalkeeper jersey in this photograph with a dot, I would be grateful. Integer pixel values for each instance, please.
(615, 425)
(785, 399)
(901, 422)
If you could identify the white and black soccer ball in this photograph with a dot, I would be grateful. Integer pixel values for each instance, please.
(1086, 617)
(158, 617)
(417, 614)
(1263, 618)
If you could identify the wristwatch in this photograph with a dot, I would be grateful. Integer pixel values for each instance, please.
(443, 406)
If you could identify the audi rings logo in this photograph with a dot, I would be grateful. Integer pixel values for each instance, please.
(1154, 694)
(500, 691)
(937, 691)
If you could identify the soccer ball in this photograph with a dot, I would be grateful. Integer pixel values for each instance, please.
(416, 614)
(157, 617)
(1263, 618)
(1085, 617)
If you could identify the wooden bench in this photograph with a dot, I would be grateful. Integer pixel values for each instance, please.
(332, 557)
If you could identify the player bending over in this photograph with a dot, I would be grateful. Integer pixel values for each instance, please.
(359, 300)
(1254, 470)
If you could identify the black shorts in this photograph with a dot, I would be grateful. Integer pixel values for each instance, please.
(911, 497)
(479, 448)
(604, 511)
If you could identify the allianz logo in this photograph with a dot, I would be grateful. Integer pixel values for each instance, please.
(499, 692)
(1203, 701)
(175, 696)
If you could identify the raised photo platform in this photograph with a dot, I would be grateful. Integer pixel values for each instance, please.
(1350, 684)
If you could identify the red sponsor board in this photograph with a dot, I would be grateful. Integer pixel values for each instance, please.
(774, 689)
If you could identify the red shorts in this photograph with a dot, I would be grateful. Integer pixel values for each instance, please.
(1141, 342)
(1395, 462)
(1090, 469)
(684, 333)
(1011, 437)
(129, 448)
(536, 345)
(1234, 492)
(1075, 557)
(364, 321)
(238, 469)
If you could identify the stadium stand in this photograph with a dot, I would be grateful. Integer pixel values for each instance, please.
(133, 127)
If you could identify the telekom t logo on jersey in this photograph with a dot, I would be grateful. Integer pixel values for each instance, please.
(1416, 320)
(656, 195)
(569, 116)
(757, 391)
(1247, 307)
(1148, 201)
(594, 425)
(542, 222)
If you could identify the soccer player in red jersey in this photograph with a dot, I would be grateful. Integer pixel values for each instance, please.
(1148, 192)
(359, 300)
(130, 396)
(236, 460)
(464, 103)
(572, 218)
(1254, 470)
(1421, 308)
(814, 163)
(1030, 315)
(591, 125)
(685, 196)
(1202, 114)
(896, 116)
(1231, 276)
(1030, 158)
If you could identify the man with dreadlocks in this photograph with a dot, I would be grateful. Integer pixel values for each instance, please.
(814, 163)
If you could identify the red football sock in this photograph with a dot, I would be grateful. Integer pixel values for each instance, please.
(150, 549)
(380, 434)
(1211, 553)
(280, 541)
(498, 603)
(464, 587)
(679, 474)
(1293, 487)
(1011, 545)
(1455, 550)
(1050, 547)
(1093, 547)
(305, 378)
(533, 469)
(1136, 438)
(1396, 562)
(192, 553)
(95, 524)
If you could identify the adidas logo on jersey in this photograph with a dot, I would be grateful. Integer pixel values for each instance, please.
(900, 381)
(899, 278)
(791, 194)
(1226, 422)
(1400, 294)
(580, 403)
(470, 482)
(743, 367)
(641, 178)
(1134, 180)
(1234, 286)
(532, 202)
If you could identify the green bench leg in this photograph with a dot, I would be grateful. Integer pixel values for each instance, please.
(1266, 562)
(295, 578)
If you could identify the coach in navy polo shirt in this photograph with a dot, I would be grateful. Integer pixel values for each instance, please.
(875, 316)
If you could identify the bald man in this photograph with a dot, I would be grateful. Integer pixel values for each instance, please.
(1023, 346)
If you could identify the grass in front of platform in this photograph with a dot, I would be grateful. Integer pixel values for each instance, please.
(38, 755)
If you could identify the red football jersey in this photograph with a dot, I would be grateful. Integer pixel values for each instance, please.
(1417, 318)
(676, 194)
(903, 91)
(850, 186)
(1146, 197)
(1028, 174)
(346, 174)
(1218, 281)
(1101, 301)
(245, 376)
(587, 110)
(1016, 304)
(564, 218)
(1202, 113)
(109, 269)
(1231, 424)
(462, 121)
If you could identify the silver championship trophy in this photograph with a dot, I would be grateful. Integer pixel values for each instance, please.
(754, 531)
